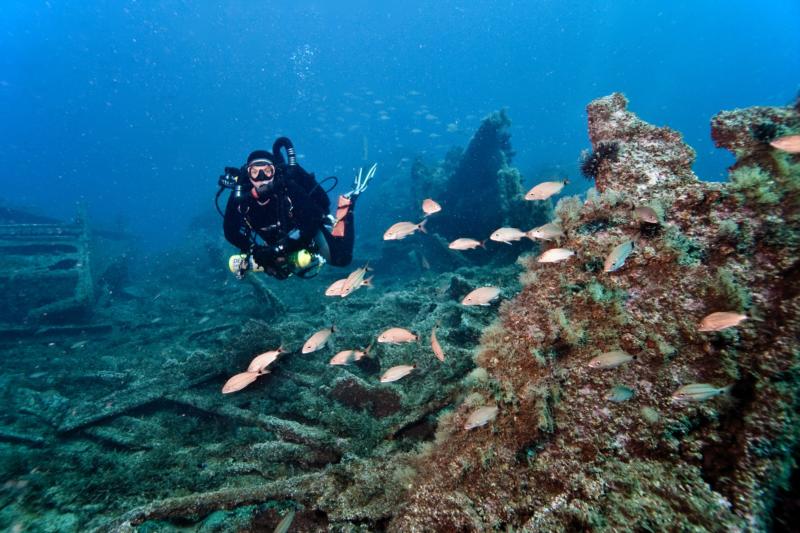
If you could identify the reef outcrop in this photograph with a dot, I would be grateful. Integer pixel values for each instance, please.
(562, 455)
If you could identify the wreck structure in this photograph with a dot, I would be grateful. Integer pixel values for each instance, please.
(45, 273)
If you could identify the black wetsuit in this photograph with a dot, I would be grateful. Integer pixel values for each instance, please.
(290, 220)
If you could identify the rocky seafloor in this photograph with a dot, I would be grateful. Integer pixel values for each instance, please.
(128, 430)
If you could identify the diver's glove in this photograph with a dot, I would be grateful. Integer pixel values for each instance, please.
(360, 183)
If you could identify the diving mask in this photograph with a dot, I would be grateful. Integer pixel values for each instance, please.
(262, 176)
(261, 170)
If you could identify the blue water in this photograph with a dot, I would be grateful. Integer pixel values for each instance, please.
(133, 108)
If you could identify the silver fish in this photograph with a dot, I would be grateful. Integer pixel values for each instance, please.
(481, 416)
(646, 214)
(617, 257)
(547, 232)
(283, 525)
(697, 392)
(611, 359)
(620, 393)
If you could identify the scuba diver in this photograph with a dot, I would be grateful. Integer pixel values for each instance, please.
(277, 215)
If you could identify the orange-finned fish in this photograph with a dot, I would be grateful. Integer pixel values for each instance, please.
(787, 143)
(465, 243)
(240, 381)
(261, 362)
(397, 372)
(345, 357)
(335, 288)
(545, 190)
(554, 255)
(481, 296)
(401, 230)
(721, 320)
(429, 206)
(396, 336)
(356, 280)
(506, 235)
(318, 340)
(437, 348)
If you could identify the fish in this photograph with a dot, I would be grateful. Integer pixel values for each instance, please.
(285, 523)
(397, 372)
(697, 392)
(335, 288)
(720, 320)
(620, 393)
(318, 340)
(481, 296)
(464, 243)
(355, 281)
(617, 257)
(79, 344)
(611, 359)
(545, 190)
(401, 230)
(437, 348)
(787, 143)
(546, 232)
(429, 206)
(554, 255)
(507, 234)
(481, 416)
(396, 336)
(345, 357)
(240, 381)
(646, 214)
(262, 361)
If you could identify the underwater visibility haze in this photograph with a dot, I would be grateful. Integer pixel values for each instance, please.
(558, 289)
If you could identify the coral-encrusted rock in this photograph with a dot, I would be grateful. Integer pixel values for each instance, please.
(747, 132)
(655, 159)
(561, 456)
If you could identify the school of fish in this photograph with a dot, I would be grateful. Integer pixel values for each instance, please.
(484, 296)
